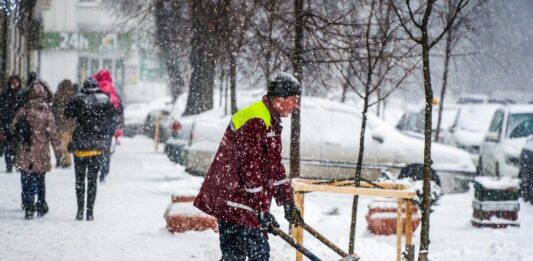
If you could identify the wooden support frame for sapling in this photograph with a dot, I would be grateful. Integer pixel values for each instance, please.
(400, 192)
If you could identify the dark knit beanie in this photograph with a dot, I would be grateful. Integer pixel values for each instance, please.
(90, 83)
(284, 85)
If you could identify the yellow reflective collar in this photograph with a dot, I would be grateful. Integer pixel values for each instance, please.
(256, 110)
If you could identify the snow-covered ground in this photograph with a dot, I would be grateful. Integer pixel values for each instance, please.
(129, 222)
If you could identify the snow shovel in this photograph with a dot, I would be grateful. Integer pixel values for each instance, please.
(278, 232)
(328, 243)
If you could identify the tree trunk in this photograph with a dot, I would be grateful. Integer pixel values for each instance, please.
(165, 15)
(444, 81)
(233, 84)
(3, 48)
(379, 104)
(424, 232)
(222, 75)
(358, 171)
(297, 63)
(176, 82)
(202, 61)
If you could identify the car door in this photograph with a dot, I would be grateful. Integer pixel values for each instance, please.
(311, 132)
(340, 134)
(490, 144)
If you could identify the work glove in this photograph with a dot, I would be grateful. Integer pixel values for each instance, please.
(267, 221)
(292, 214)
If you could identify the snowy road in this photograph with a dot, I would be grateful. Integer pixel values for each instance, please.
(129, 222)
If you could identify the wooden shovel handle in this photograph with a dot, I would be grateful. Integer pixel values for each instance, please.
(278, 232)
(324, 240)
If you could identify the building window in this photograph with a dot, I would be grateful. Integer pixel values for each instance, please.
(95, 65)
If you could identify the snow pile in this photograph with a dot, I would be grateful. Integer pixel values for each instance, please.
(502, 183)
(129, 223)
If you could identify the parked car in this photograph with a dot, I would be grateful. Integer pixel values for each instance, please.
(471, 98)
(329, 145)
(412, 122)
(470, 126)
(509, 128)
(134, 116)
(526, 171)
(483, 98)
(158, 110)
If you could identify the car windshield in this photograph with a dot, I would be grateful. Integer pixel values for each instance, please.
(475, 118)
(448, 117)
(520, 125)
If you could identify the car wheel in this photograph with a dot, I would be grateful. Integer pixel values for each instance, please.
(416, 172)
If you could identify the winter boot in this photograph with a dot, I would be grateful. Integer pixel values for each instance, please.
(102, 178)
(90, 215)
(42, 209)
(30, 210)
(79, 215)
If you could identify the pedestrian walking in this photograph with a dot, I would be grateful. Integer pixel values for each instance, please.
(105, 82)
(94, 114)
(65, 125)
(34, 129)
(10, 101)
(247, 172)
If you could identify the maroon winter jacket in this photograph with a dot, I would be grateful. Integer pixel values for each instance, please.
(246, 173)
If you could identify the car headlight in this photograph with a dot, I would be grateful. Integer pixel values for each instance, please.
(515, 161)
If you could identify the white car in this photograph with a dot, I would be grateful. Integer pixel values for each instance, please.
(136, 114)
(412, 122)
(470, 126)
(508, 131)
(329, 144)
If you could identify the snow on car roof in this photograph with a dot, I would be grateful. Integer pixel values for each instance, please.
(520, 108)
(476, 117)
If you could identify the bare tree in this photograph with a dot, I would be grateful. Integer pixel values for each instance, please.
(204, 20)
(164, 24)
(4, 22)
(381, 61)
(170, 25)
(460, 30)
(297, 66)
(416, 23)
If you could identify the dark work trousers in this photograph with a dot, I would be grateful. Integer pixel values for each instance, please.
(33, 183)
(238, 242)
(27, 186)
(9, 153)
(86, 167)
(106, 161)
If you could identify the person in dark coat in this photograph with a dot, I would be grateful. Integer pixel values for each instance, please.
(247, 172)
(65, 125)
(94, 115)
(10, 101)
(34, 129)
(105, 82)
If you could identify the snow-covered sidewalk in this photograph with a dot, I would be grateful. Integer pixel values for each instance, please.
(129, 222)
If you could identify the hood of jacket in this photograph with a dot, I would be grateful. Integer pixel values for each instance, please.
(38, 92)
(105, 83)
